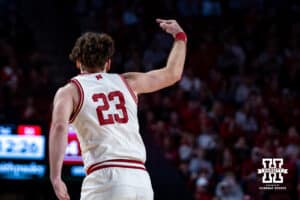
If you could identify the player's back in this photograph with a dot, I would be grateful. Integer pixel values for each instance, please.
(106, 121)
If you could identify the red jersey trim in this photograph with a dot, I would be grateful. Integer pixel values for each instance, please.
(100, 165)
(119, 166)
(134, 96)
(81, 97)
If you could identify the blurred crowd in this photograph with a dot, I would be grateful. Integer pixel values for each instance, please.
(237, 102)
(25, 83)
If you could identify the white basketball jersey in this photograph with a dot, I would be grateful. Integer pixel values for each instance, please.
(106, 119)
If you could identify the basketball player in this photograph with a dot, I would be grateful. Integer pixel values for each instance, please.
(103, 109)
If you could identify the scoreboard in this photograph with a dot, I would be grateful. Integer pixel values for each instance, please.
(24, 154)
(72, 160)
(73, 152)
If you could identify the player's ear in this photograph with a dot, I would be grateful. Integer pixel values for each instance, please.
(78, 64)
(107, 65)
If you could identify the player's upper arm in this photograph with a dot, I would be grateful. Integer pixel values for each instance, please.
(150, 81)
(157, 79)
(63, 105)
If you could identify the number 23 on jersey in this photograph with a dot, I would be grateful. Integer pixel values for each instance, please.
(108, 101)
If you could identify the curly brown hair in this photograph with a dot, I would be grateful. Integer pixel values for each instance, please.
(92, 50)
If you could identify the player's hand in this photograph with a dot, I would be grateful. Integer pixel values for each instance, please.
(170, 26)
(60, 189)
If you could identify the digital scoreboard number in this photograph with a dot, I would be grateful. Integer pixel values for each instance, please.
(22, 152)
(22, 147)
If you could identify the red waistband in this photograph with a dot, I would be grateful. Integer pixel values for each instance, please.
(101, 165)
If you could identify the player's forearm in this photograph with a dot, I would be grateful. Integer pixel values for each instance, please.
(161, 78)
(176, 60)
(57, 147)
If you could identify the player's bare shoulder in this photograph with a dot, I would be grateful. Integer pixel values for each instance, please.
(68, 92)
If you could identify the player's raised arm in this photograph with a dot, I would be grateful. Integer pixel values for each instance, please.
(62, 110)
(157, 79)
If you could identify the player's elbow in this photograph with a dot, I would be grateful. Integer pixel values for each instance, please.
(174, 72)
(175, 76)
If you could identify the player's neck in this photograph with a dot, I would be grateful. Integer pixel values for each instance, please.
(90, 71)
